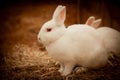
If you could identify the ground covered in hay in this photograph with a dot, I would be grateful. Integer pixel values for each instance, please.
(48, 71)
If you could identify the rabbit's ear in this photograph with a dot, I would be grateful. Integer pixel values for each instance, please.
(59, 15)
(96, 23)
(90, 20)
(57, 10)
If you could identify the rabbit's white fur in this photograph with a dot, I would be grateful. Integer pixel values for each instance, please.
(75, 45)
(111, 37)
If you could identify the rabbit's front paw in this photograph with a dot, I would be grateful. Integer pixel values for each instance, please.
(67, 70)
(61, 68)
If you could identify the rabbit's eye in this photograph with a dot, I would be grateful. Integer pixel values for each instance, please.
(48, 29)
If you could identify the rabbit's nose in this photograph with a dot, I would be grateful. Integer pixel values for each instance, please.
(39, 39)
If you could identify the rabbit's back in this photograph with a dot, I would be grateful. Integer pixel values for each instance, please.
(89, 45)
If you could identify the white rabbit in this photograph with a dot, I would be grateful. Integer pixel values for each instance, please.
(75, 45)
(110, 36)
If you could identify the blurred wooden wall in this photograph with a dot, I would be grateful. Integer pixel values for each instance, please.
(107, 10)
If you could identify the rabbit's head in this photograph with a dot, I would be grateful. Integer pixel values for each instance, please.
(92, 22)
(55, 28)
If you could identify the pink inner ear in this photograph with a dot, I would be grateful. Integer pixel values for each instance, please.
(90, 22)
(62, 14)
